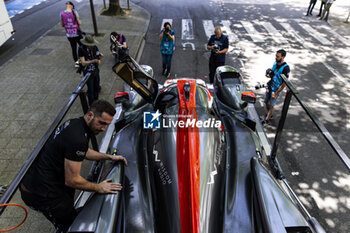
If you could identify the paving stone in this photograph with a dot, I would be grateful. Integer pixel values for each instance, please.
(33, 93)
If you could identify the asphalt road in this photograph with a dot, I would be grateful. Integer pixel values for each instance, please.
(317, 54)
(29, 24)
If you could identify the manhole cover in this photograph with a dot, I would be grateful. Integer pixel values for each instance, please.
(41, 51)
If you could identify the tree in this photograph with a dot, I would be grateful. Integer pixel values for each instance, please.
(114, 8)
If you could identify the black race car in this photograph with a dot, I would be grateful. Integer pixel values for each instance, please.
(198, 162)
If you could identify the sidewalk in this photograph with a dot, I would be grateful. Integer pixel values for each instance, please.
(338, 14)
(37, 83)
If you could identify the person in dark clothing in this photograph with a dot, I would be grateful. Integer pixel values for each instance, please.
(50, 183)
(323, 2)
(118, 46)
(218, 44)
(90, 58)
(311, 7)
(276, 84)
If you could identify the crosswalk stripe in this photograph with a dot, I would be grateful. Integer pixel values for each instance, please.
(208, 27)
(226, 29)
(276, 36)
(315, 34)
(166, 20)
(254, 34)
(342, 39)
(291, 31)
(187, 29)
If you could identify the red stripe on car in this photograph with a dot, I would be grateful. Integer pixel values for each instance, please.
(188, 160)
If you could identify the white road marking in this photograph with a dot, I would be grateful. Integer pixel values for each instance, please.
(315, 34)
(291, 31)
(342, 39)
(187, 29)
(254, 34)
(166, 20)
(226, 29)
(303, 42)
(276, 36)
(184, 45)
(208, 27)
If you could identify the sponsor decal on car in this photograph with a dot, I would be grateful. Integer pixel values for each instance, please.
(152, 120)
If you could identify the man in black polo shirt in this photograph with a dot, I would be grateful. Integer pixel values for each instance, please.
(218, 44)
(50, 183)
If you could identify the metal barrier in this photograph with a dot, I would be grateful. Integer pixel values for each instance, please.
(18, 178)
(293, 92)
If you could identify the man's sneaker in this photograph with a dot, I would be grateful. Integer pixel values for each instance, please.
(76, 65)
(164, 72)
(265, 122)
(168, 75)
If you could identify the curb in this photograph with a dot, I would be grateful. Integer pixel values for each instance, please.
(143, 38)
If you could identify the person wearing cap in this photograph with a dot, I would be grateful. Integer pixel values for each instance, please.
(69, 19)
(90, 58)
(50, 183)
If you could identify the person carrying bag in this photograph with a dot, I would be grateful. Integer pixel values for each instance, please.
(70, 21)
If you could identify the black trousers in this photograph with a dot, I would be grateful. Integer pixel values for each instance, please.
(93, 86)
(311, 7)
(322, 5)
(73, 43)
(212, 68)
(59, 211)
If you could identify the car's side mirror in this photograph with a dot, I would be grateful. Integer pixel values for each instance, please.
(248, 97)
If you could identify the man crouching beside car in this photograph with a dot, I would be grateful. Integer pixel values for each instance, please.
(50, 183)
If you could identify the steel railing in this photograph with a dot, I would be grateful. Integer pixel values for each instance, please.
(10, 191)
(292, 91)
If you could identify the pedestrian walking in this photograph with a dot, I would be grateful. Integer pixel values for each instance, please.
(323, 2)
(311, 7)
(69, 19)
(50, 183)
(276, 84)
(90, 58)
(218, 45)
(325, 12)
(167, 46)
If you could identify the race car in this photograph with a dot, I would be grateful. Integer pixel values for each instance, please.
(198, 162)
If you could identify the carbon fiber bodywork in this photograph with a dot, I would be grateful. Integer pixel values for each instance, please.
(237, 191)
